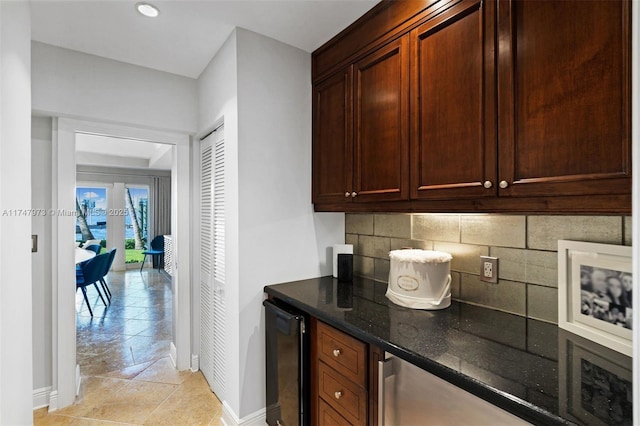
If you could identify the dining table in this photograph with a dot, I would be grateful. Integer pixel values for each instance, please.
(83, 255)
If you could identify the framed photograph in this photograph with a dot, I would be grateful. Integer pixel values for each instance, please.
(595, 383)
(595, 286)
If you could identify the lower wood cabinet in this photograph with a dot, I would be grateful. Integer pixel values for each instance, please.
(343, 353)
(346, 397)
(343, 378)
(341, 395)
(329, 416)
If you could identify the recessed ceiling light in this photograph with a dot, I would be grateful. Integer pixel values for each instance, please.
(147, 10)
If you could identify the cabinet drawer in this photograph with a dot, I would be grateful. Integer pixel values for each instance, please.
(342, 352)
(327, 416)
(344, 396)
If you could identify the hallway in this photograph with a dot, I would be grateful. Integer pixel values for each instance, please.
(123, 353)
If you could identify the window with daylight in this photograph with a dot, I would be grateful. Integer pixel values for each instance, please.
(136, 223)
(91, 215)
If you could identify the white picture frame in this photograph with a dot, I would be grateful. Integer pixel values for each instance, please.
(576, 357)
(589, 304)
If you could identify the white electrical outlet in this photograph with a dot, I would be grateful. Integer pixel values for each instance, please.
(489, 269)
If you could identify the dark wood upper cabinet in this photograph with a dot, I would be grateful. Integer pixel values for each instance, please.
(361, 130)
(332, 139)
(564, 98)
(381, 83)
(476, 106)
(453, 138)
(386, 21)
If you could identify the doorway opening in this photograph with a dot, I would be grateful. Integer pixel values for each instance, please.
(126, 322)
(158, 299)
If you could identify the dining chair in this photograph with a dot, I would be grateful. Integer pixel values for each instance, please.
(94, 248)
(157, 249)
(90, 247)
(90, 243)
(92, 272)
(103, 282)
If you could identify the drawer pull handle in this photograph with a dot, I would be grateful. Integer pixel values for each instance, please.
(347, 194)
(337, 352)
(338, 395)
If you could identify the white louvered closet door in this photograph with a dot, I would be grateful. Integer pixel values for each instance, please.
(212, 266)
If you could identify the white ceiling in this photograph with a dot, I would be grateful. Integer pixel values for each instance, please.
(182, 40)
(187, 34)
(106, 151)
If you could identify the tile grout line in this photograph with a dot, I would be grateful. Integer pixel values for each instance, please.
(163, 401)
(127, 381)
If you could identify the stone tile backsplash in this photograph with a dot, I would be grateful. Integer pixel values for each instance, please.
(545, 231)
(525, 245)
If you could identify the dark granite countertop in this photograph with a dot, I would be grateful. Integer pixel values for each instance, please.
(530, 368)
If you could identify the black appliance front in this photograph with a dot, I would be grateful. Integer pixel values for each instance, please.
(287, 358)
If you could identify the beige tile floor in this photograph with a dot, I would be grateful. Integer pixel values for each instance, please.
(127, 375)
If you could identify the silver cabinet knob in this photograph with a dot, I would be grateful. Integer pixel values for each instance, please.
(346, 194)
(504, 184)
(338, 395)
(354, 194)
(487, 184)
(337, 352)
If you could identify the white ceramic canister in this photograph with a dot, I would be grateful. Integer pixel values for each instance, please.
(420, 279)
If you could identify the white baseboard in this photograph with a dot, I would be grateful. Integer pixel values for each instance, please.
(195, 363)
(173, 354)
(78, 379)
(41, 397)
(229, 418)
(53, 401)
(256, 418)
(46, 397)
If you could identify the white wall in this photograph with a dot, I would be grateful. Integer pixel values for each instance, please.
(218, 90)
(281, 238)
(41, 128)
(16, 379)
(65, 378)
(41, 174)
(71, 84)
(273, 235)
(181, 279)
(217, 103)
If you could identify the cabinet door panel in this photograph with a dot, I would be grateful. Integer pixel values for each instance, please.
(327, 416)
(453, 147)
(343, 353)
(348, 399)
(381, 120)
(564, 102)
(332, 139)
